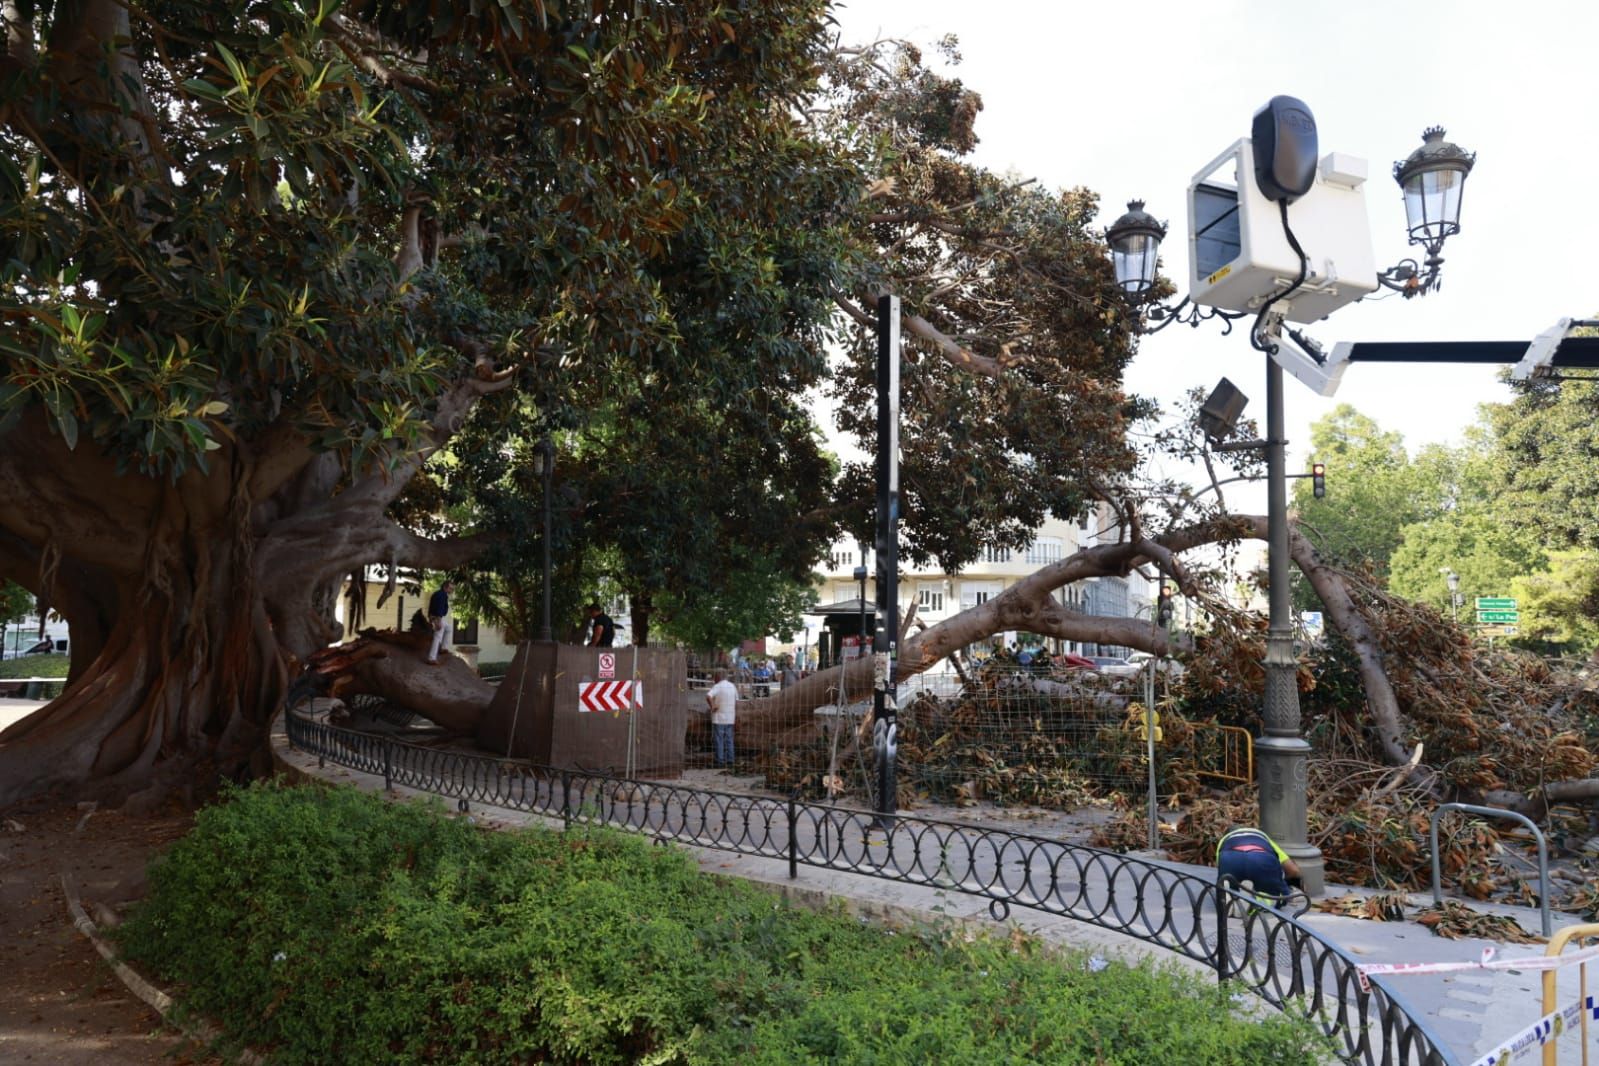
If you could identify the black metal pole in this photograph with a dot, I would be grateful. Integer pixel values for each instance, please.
(547, 450)
(885, 707)
(1282, 752)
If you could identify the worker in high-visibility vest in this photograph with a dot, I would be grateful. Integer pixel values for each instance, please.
(1247, 854)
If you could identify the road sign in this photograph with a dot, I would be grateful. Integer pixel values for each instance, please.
(1496, 603)
(1498, 631)
(609, 696)
(1499, 617)
(607, 665)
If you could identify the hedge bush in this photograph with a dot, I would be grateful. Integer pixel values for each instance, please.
(36, 666)
(331, 926)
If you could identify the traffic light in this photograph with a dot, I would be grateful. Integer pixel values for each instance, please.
(1318, 479)
(1163, 606)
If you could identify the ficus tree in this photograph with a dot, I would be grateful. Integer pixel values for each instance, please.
(262, 259)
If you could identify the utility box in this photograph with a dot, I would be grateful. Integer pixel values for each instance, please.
(1238, 254)
(620, 711)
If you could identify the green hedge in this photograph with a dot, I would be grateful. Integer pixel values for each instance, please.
(35, 666)
(330, 926)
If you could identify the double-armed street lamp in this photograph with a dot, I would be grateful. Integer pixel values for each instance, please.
(1247, 258)
(1452, 579)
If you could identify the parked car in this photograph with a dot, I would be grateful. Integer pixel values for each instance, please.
(1113, 667)
(1165, 666)
(47, 646)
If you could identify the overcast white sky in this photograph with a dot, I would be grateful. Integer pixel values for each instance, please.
(1130, 100)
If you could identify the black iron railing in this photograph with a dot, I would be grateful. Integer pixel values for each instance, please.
(1276, 957)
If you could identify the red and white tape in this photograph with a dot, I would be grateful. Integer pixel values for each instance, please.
(1532, 963)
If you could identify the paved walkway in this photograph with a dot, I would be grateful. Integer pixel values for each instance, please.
(14, 710)
(1474, 1013)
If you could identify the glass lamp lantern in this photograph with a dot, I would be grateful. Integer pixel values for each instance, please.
(1134, 241)
(1433, 178)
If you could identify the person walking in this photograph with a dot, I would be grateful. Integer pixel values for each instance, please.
(722, 698)
(602, 630)
(439, 619)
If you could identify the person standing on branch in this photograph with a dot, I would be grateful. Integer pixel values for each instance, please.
(602, 631)
(439, 618)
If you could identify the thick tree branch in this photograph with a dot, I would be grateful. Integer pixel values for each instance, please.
(384, 486)
(355, 43)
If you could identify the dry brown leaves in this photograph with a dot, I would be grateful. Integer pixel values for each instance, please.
(1384, 907)
(1454, 920)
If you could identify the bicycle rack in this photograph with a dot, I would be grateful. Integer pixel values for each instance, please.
(1494, 812)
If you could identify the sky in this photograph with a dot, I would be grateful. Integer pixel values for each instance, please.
(1132, 100)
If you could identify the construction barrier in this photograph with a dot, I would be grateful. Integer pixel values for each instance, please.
(1233, 747)
(1557, 944)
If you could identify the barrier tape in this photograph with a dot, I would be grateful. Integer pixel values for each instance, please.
(1541, 1032)
(1530, 963)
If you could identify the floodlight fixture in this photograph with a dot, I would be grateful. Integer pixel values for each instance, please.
(1218, 416)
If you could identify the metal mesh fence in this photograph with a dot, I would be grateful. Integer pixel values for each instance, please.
(1005, 733)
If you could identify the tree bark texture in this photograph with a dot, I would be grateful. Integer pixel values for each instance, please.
(190, 603)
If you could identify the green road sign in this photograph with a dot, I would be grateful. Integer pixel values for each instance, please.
(1499, 617)
(1495, 603)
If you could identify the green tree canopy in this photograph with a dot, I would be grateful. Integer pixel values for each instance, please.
(262, 260)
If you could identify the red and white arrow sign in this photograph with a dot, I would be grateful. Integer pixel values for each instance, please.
(609, 695)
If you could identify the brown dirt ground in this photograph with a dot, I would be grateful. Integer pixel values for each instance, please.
(59, 1002)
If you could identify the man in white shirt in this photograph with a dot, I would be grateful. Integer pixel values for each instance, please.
(721, 699)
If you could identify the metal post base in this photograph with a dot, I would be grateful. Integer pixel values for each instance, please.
(1283, 770)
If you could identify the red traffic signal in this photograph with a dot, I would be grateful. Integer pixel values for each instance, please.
(1318, 479)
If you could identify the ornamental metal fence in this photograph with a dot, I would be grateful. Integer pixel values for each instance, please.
(1281, 960)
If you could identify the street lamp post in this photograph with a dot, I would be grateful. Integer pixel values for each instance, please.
(1282, 753)
(546, 469)
(1452, 579)
(1432, 179)
(860, 580)
(885, 701)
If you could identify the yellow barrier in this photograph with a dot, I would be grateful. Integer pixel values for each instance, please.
(1557, 944)
(1237, 753)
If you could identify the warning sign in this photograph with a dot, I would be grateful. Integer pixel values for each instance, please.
(609, 696)
(607, 665)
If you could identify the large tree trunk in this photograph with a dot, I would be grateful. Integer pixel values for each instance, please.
(193, 600)
(1027, 605)
(189, 674)
(1381, 700)
(640, 606)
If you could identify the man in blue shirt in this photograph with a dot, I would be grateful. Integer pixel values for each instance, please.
(439, 618)
(763, 678)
